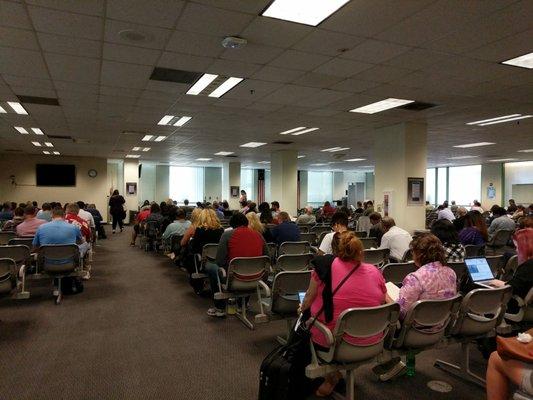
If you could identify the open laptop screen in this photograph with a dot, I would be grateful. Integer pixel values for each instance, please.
(479, 269)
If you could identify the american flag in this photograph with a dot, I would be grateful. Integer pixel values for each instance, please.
(260, 186)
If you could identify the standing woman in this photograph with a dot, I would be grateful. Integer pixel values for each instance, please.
(116, 205)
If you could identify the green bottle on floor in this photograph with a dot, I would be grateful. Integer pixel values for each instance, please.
(410, 362)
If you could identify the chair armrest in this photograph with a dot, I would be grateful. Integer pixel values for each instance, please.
(520, 315)
(265, 287)
(326, 332)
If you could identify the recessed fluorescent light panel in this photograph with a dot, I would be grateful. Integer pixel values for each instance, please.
(382, 105)
(2, 110)
(308, 12)
(172, 120)
(461, 157)
(133, 155)
(46, 152)
(22, 130)
(252, 144)
(264, 162)
(136, 149)
(146, 148)
(525, 61)
(500, 120)
(292, 130)
(298, 131)
(17, 107)
(203, 159)
(160, 138)
(224, 153)
(226, 86)
(468, 145)
(37, 131)
(56, 153)
(319, 164)
(36, 144)
(526, 151)
(48, 144)
(218, 86)
(146, 138)
(355, 159)
(201, 84)
(302, 156)
(503, 159)
(334, 149)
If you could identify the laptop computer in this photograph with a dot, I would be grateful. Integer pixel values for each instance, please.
(480, 272)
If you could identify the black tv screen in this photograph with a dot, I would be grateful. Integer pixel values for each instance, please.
(55, 175)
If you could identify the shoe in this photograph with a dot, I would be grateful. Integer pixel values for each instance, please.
(87, 276)
(216, 312)
(396, 371)
(132, 244)
(114, 231)
(55, 293)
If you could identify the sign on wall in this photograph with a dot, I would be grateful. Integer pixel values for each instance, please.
(131, 188)
(415, 191)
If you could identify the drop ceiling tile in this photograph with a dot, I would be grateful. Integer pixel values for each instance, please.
(289, 94)
(22, 63)
(327, 42)
(232, 68)
(266, 107)
(120, 91)
(184, 62)
(417, 59)
(354, 85)
(323, 98)
(15, 80)
(18, 38)
(294, 59)
(510, 47)
(195, 43)
(211, 20)
(67, 24)
(273, 32)
(70, 45)
(248, 6)
(252, 90)
(375, 51)
(342, 68)
(317, 80)
(90, 7)
(160, 13)
(125, 75)
(274, 74)
(74, 69)
(33, 91)
(155, 38)
(254, 53)
(382, 73)
(130, 54)
(77, 87)
(14, 15)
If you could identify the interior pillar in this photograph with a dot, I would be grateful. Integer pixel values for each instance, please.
(131, 175)
(284, 179)
(231, 176)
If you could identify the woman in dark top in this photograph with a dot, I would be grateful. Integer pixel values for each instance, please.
(208, 230)
(475, 230)
(116, 205)
(445, 231)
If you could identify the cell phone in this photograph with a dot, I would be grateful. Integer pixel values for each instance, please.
(301, 296)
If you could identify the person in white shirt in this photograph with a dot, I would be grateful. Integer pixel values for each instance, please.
(339, 223)
(477, 207)
(395, 239)
(86, 215)
(445, 213)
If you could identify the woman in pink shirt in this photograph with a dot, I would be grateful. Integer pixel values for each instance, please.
(365, 287)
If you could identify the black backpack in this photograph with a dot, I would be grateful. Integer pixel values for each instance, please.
(71, 285)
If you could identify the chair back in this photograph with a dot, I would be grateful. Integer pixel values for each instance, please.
(495, 263)
(369, 242)
(309, 237)
(26, 241)
(245, 272)
(8, 273)
(294, 248)
(209, 251)
(321, 238)
(364, 224)
(426, 321)
(407, 256)
(481, 311)
(396, 272)
(293, 262)
(152, 229)
(6, 236)
(318, 229)
(510, 268)
(500, 238)
(362, 323)
(272, 250)
(18, 253)
(58, 258)
(528, 307)
(285, 288)
(472, 250)
(175, 242)
(459, 268)
(361, 234)
(377, 257)
(303, 228)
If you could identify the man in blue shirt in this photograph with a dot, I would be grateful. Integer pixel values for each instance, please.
(286, 231)
(57, 231)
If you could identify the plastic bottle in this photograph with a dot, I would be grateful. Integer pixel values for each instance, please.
(231, 308)
(410, 361)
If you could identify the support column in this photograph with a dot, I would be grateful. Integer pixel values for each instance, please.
(401, 152)
(231, 176)
(339, 190)
(303, 189)
(492, 175)
(284, 169)
(131, 175)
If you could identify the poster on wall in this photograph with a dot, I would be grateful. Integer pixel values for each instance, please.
(491, 191)
(131, 188)
(415, 191)
(234, 191)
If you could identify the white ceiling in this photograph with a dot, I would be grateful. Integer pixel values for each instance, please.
(446, 52)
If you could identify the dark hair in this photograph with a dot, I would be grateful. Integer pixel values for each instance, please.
(47, 206)
(34, 203)
(475, 219)
(81, 204)
(427, 248)
(29, 210)
(186, 202)
(6, 206)
(251, 207)
(339, 218)
(58, 212)
(266, 217)
(335, 241)
(327, 203)
(369, 203)
(264, 206)
(225, 204)
(146, 203)
(284, 216)
(19, 211)
(154, 208)
(375, 216)
(497, 210)
(115, 192)
(359, 204)
(275, 204)
(180, 213)
(445, 231)
(237, 220)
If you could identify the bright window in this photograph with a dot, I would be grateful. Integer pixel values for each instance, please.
(465, 184)
(267, 185)
(186, 183)
(319, 187)
(441, 185)
(247, 183)
(430, 185)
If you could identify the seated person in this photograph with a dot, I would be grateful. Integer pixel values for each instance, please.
(359, 209)
(445, 231)
(394, 238)
(327, 210)
(308, 218)
(91, 208)
(459, 221)
(86, 215)
(241, 241)
(45, 213)
(475, 230)
(30, 224)
(376, 230)
(6, 214)
(445, 213)
(72, 217)
(139, 221)
(218, 210)
(519, 213)
(255, 224)
(339, 224)
(286, 230)
(364, 287)
(503, 371)
(369, 208)
(500, 222)
(178, 227)
(18, 218)
(476, 206)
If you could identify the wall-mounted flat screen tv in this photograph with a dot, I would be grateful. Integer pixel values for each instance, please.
(55, 174)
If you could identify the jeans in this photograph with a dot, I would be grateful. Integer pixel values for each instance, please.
(84, 247)
(211, 269)
(117, 219)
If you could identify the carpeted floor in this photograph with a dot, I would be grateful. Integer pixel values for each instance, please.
(139, 332)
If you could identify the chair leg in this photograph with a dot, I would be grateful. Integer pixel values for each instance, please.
(59, 292)
(350, 387)
(243, 318)
(261, 317)
(283, 340)
(462, 371)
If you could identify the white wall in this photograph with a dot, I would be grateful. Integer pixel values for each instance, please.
(213, 183)
(147, 183)
(491, 173)
(87, 189)
(339, 188)
(303, 189)
(131, 174)
(520, 173)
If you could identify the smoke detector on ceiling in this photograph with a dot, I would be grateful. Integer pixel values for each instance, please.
(233, 42)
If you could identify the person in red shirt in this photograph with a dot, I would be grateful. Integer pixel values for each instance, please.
(328, 210)
(141, 217)
(241, 241)
(73, 218)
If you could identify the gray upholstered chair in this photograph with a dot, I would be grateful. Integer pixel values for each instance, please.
(396, 272)
(301, 247)
(472, 250)
(369, 242)
(378, 257)
(8, 275)
(293, 262)
(21, 255)
(209, 252)
(6, 236)
(499, 240)
(525, 312)
(310, 237)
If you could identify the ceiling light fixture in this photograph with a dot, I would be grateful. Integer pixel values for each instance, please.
(319, 164)
(302, 156)
(37, 131)
(56, 153)
(133, 155)
(308, 12)
(182, 121)
(165, 120)
(36, 144)
(525, 61)
(292, 130)
(335, 149)
(468, 145)
(204, 81)
(252, 144)
(136, 149)
(203, 159)
(492, 119)
(526, 151)
(264, 162)
(17, 107)
(382, 105)
(22, 130)
(226, 86)
(2, 110)
(160, 138)
(224, 153)
(146, 148)
(48, 144)
(304, 131)
(146, 138)
(503, 159)
(461, 157)
(355, 159)
(46, 152)
(506, 120)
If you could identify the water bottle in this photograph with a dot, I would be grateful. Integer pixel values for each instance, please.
(410, 361)
(230, 308)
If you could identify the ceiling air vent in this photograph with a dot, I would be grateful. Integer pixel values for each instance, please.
(174, 75)
(13, 151)
(47, 101)
(60, 137)
(282, 142)
(417, 106)
(231, 156)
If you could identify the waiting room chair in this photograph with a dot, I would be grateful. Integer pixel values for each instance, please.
(525, 314)
(481, 311)
(272, 251)
(245, 277)
(303, 228)
(293, 262)
(152, 235)
(498, 241)
(25, 241)
(59, 261)
(309, 237)
(318, 229)
(396, 272)
(344, 356)
(407, 256)
(364, 224)
(8, 275)
(361, 234)
(321, 238)
(378, 257)
(209, 253)
(519, 395)
(301, 247)
(459, 268)
(496, 264)
(369, 242)
(6, 236)
(473, 251)
(21, 255)
(510, 268)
